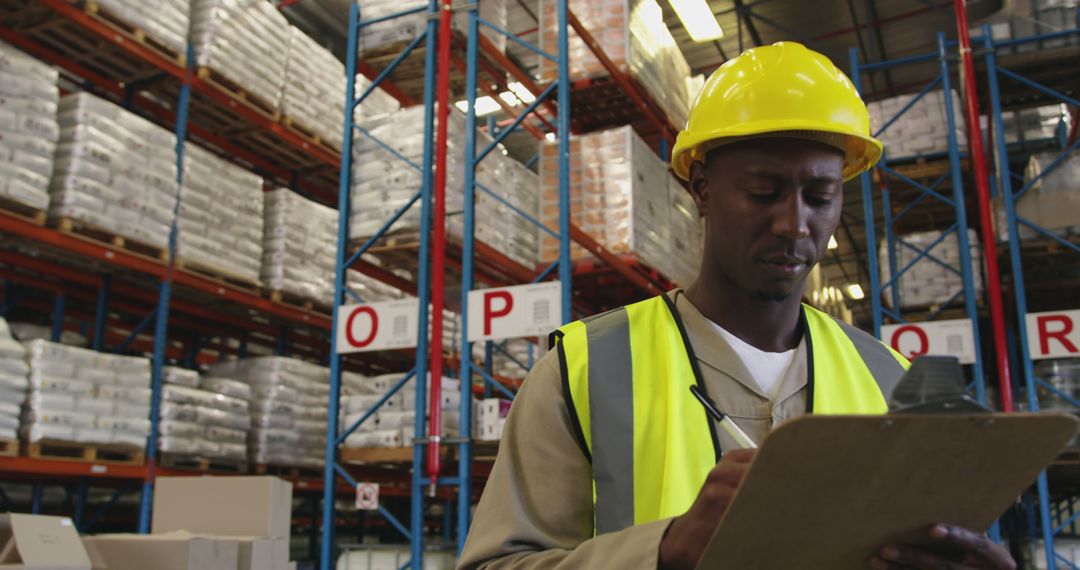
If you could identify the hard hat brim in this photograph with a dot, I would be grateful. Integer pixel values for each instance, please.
(860, 152)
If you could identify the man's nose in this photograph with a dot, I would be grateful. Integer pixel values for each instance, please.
(790, 218)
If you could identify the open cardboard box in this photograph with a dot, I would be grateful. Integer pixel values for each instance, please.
(36, 542)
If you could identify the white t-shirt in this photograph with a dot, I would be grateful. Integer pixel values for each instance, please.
(767, 368)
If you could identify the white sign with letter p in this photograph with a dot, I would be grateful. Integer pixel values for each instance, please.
(513, 312)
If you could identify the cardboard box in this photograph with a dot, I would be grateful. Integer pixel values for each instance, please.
(169, 551)
(262, 553)
(229, 506)
(36, 542)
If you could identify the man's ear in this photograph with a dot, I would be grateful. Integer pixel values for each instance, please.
(699, 186)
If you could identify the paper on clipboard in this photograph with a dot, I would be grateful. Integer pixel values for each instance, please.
(826, 492)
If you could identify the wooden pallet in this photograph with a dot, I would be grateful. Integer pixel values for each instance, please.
(279, 296)
(237, 91)
(294, 471)
(75, 227)
(311, 136)
(9, 447)
(86, 452)
(216, 275)
(203, 464)
(22, 211)
(134, 33)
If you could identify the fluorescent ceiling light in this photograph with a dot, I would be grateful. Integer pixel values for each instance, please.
(855, 291)
(832, 242)
(698, 19)
(484, 105)
(521, 92)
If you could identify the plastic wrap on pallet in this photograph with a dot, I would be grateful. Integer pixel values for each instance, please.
(1052, 202)
(278, 384)
(919, 131)
(400, 31)
(633, 35)
(313, 96)
(102, 398)
(115, 171)
(929, 283)
(245, 41)
(209, 422)
(221, 217)
(382, 184)
(299, 245)
(163, 20)
(28, 127)
(620, 194)
(26, 332)
(1035, 124)
(13, 381)
(397, 414)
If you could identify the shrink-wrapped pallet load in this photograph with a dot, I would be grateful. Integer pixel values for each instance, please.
(928, 283)
(13, 382)
(28, 128)
(398, 32)
(393, 423)
(204, 417)
(164, 21)
(313, 98)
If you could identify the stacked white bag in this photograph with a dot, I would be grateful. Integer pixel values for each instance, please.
(28, 129)
(393, 424)
(928, 283)
(115, 171)
(205, 417)
(221, 216)
(288, 408)
(163, 20)
(79, 395)
(377, 103)
(314, 90)
(13, 383)
(403, 29)
(246, 41)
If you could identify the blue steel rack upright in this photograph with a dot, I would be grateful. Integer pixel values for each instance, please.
(431, 36)
(954, 174)
(563, 264)
(1051, 523)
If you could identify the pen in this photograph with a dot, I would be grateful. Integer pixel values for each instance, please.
(723, 420)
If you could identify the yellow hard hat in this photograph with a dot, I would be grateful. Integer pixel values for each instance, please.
(780, 90)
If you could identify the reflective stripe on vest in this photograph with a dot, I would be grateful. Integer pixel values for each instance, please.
(627, 376)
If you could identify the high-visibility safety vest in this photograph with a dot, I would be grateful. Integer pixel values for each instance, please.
(626, 378)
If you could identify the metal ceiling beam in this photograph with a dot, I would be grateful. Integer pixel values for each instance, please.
(871, 11)
(744, 15)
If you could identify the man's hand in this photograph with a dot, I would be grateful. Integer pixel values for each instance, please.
(977, 552)
(687, 536)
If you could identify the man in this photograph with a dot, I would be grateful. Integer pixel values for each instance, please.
(608, 459)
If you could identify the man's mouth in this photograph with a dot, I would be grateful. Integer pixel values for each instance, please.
(785, 265)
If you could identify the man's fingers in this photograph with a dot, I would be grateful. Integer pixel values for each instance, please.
(967, 540)
(738, 456)
(904, 557)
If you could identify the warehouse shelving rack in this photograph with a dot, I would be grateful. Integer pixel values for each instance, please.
(1053, 519)
(925, 193)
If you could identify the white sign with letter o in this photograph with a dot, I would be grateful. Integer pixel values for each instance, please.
(1053, 334)
(378, 326)
(938, 338)
(513, 312)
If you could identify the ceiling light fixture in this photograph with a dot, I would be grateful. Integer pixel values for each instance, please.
(698, 19)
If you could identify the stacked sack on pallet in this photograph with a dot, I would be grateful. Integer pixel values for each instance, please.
(377, 103)
(622, 195)
(288, 408)
(633, 35)
(115, 171)
(13, 383)
(221, 217)
(204, 417)
(920, 130)
(28, 129)
(928, 283)
(1052, 202)
(1034, 18)
(247, 42)
(26, 332)
(83, 396)
(397, 32)
(393, 424)
(163, 20)
(382, 183)
(510, 358)
(314, 90)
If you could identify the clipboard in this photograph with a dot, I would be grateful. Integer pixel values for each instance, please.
(827, 492)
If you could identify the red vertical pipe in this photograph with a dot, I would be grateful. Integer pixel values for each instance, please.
(438, 243)
(982, 186)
